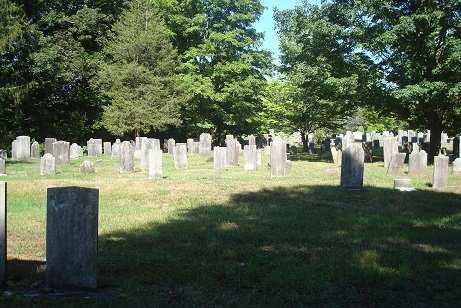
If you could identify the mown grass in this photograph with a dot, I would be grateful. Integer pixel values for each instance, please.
(241, 238)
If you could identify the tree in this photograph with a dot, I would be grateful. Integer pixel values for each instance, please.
(144, 92)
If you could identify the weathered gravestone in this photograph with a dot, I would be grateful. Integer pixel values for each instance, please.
(368, 151)
(4, 154)
(107, 148)
(3, 255)
(195, 148)
(126, 157)
(205, 145)
(147, 145)
(61, 152)
(189, 142)
(278, 158)
(347, 140)
(155, 164)
(233, 148)
(72, 238)
(417, 163)
(87, 167)
(94, 147)
(47, 164)
(251, 140)
(180, 156)
(390, 147)
(220, 158)
(456, 165)
(2, 167)
(250, 157)
(352, 166)
(396, 164)
(74, 151)
(170, 146)
(49, 145)
(116, 149)
(334, 155)
(35, 150)
(22, 148)
(440, 176)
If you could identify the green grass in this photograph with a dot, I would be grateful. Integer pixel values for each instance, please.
(241, 238)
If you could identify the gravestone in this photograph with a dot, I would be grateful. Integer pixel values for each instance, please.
(456, 165)
(390, 147)
(396, 164)
(376, 144)
(347, 140)
(147, 145)
(61, 152)
(3, 252)
(220, 158)
(4, 154)
(22, 148)
(251, 140)
(87, 167)
(250, 157)
(155, 164)
(107, 148)
(2, 167)
(233, 149)
(311, 148)
(180, 156)
(278, 157)
(126, 157)
(368, 151)
(94, 147)
(417, 163)
(456, 147)
(47, 164)
(74, 151)
(138, 143)
(116, 149)
(195, 148)
(35, 150)
(352, 166)
(49, 145)
(258, 157)
(440, 176)
(72, 238)
(171, 143)
(205, 145)
(334, 155)
(189, 142)
(293, 150)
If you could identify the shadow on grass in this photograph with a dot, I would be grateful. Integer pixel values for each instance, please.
(308, 245)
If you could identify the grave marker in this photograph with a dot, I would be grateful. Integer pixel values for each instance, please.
(35, 150)
(250, 157)
(440, 176)
(155, 164)
(220, 158)
(390, 147)
(180, 156)
(278, 157)
(126, 157)
(352, 166)
(47, 164)
(396, 164)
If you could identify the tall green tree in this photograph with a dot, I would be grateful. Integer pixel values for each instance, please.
(139, 77)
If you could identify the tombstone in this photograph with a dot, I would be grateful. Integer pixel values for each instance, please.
(138, 143)
(220, 158)
(189, 142)
(390, 147)
(94, 147)
(3, 253)
(35, 150)
(49, 145)
(347, 140)
(233, 149)
(116, 148)
(440, 176)
(250, 157)
(155, 164)
(456, 147)
(456, 166)
(21, 148)
(4, 154)
(195, 148)
(251, 140)
(358, 136)
(171, 143)
(259, 158)
(352, 166)
(61, 152)
(205, 145)
(87, 167)
(311, 148)
(368, 151)
(386, 133)
(74, 151)
(402, 183)
(107, 148)
(293, 150)
(278, 158)
(126, 157)
(396, 164)
(2, 167)
(417, 163)
(334, 154)
(72, 238)
(376, 144)
(47, 164)
(180, 156)
(147, 145)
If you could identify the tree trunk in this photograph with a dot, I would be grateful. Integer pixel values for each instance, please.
(305, 141)
(436, 130)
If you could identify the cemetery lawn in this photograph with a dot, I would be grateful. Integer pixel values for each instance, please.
(241, 238)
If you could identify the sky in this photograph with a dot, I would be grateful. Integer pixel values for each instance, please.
(266, 23)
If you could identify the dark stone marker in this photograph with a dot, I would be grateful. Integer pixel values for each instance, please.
(352, 168)
(72, 238)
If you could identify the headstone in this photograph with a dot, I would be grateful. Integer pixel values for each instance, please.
(72, 238)
(126, 157)
(259, 158)
(352, 166)
(22, 148)
(155, 164)
(440, 177)
(293, 150)
(171, 144)
(220, 158)
(74, 151)
(94, 147)
(347, 139)
(417, 163)
(61, 152)
(138, 143)
(456, 165)
(3, 254)
(195, 148)
(189, 142)
(2, 167)
(278, 158)
(334, 154)
(251, 140)
(180, 156)
(205, 145)
(107, 148)
(358, 136)
(390, 147)
(147, 145)
(47, 164)
(311, 148)
(4, 154)
(35, 150)
(250, 157)
(456, 147)
(49, 145)
(403, 185)
(233, 149)
(116, 148)
(368, 151)
(376, 144)
(396, 164)
(87, 167)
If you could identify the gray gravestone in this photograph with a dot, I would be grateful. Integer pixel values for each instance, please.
(220, 158)
(61, 152)
(72, 238)
(251, 140)
(195, 148)
(352, 166)
(94, 147)
(35, 150)
(334, 155)
(440, 177)
(368, 151)
(74, 151)
(390, 147)
(155, 164)
(180, 156)
(396, 164)
(47, 164)
(4, 154)
(147, 145)
(232, 147)
(417, 163)
(116, 149)
(250, 157)
(107, 148)
(22, 148)
(278, 158)
(347, 140)
(170, 145)
(2, 167)
(189, 142)
(86, 167)
(456, 166)
(49, 145)
(205, 145)
(126, 157)
(3, 253)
